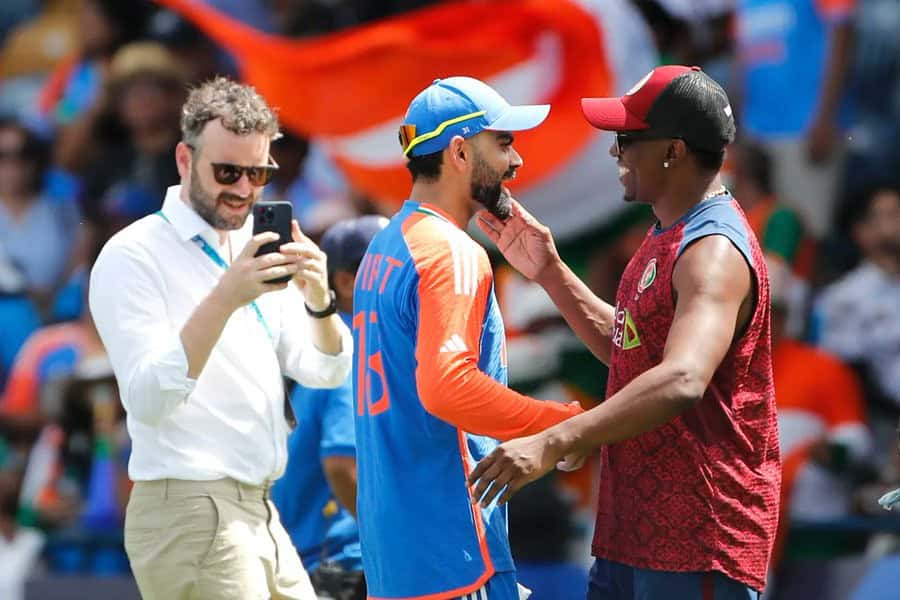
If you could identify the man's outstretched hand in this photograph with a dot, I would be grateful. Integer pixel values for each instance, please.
(512, 466)
(525, 242)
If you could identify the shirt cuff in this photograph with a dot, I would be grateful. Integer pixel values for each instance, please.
(348, 450)
(172, 369)
(326, 370)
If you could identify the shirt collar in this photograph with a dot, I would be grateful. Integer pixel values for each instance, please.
(188, 224)
(434, 211)
(184, 218)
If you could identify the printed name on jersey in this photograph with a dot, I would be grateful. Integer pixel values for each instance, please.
(375, 270)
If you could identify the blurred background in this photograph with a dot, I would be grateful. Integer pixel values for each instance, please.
(90, 96)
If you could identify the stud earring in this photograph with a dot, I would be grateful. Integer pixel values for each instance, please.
(666, 165)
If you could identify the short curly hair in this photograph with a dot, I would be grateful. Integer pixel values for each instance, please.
(240, 108)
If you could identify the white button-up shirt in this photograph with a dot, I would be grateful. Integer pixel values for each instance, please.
(860, 322)
(229, 422)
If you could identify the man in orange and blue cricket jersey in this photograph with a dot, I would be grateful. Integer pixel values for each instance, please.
(430, 358)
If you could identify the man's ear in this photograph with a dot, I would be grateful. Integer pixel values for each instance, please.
(183, 159)
(458, 153)
(677, 150)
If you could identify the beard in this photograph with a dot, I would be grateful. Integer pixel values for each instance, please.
(204, 204)
(487, 189)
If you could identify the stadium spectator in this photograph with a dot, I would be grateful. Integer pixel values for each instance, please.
(28, 214)
(823, 432)
(858, 316)
(795, 55)
(74, 87)
(144, 90)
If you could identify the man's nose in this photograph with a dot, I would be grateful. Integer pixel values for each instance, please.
(242, 186)
(515, 160)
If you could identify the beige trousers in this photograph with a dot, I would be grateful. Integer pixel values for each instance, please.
(210, 540)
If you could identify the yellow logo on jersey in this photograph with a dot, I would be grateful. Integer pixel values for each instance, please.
(625, 333)
(630, 338)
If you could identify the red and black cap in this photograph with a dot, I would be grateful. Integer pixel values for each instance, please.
(671, 101)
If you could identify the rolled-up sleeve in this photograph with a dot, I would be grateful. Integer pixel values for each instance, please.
(128, 306)
(300, 359)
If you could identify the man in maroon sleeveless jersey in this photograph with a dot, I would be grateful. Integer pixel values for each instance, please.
(690, 474)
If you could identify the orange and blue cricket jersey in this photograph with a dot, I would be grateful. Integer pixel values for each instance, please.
(430, 374)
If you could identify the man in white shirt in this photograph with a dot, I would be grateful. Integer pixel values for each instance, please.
(199, 343)
(859, 314)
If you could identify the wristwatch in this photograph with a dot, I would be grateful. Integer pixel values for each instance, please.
(325, 312)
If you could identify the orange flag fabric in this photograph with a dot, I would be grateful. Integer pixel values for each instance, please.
(349, 90)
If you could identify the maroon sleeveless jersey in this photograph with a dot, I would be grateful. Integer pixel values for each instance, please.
(701, 492)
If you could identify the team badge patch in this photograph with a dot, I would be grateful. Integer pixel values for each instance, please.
(648, 277)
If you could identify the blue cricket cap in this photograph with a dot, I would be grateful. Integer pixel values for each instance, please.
(345, 242)
(461, 106)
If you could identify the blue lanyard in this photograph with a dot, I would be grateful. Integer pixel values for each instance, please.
(214, 256)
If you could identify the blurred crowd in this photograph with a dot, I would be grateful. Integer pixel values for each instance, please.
(90, 97)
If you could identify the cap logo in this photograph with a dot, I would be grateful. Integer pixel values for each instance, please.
(727, 110)
(639, 84)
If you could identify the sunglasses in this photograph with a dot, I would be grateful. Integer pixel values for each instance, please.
(229, 173)
(624, 139)
(409, 139)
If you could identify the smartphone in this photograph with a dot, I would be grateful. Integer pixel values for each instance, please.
(277, 217)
